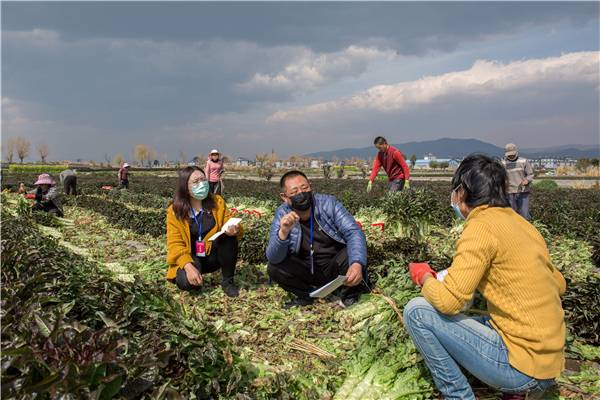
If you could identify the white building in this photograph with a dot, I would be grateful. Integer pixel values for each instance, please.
(242, 162)
(424, 163)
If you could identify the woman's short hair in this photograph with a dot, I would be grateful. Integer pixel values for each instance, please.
(181, 200)
(483, 180)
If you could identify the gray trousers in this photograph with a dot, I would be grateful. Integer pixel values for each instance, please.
(396, 185)
(520, 203)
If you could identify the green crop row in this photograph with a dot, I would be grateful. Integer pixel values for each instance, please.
(69, 329)
(37, 169)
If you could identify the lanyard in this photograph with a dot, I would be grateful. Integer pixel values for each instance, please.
(312, 250)
(198, 223)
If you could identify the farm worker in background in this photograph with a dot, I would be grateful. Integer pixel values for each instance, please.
(47, 197)
(124, 176)
(22, 189)
(313, 239)
(393, 163)
(520, 176)
(214, 170)
(69, 181)
(519, 347)
(196, 215)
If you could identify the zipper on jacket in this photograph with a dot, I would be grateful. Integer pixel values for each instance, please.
(327, 233)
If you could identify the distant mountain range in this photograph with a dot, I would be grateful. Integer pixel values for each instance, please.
(459, 148)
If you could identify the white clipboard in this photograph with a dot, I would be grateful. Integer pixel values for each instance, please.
(326, 290)
(230, 222)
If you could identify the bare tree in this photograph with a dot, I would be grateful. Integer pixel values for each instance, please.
(182, 157)
(107, 159)
(141, 153)
(118, 160)
(165, 159)
(22, 146)
(293, 160)
(9, 150)
(150, 156)
(265, 165)
(43, 150)
(199, 160)
(361, 166)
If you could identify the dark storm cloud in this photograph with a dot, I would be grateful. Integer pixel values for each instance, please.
(409, 28)
(95, 77)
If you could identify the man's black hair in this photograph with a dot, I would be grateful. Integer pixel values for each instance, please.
(290, 174)
(380, 140)
(483, 180)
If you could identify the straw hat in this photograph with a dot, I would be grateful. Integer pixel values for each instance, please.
(45, 179)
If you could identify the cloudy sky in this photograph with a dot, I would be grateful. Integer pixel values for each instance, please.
(97, 78)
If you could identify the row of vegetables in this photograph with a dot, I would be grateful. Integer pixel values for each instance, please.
(569, 212)
(70, 329)
(382, 362)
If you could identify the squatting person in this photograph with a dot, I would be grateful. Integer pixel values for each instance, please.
(195, 215)
(394, 165)
(518, 348)
(47, 196)
(313, 239)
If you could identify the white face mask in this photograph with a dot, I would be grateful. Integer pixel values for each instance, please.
(455, 206)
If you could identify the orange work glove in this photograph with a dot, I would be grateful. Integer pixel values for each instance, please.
(418, 271)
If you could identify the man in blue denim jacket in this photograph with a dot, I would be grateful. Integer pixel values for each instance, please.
(314, 239)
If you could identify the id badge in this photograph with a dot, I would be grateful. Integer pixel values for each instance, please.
(200, 248)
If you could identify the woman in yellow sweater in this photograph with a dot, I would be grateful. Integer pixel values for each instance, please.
(518, 349)
(195, 215)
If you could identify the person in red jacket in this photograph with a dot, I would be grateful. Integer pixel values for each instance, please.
(393, 163)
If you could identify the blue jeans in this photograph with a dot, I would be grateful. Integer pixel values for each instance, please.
(520, 203)
(449, 342)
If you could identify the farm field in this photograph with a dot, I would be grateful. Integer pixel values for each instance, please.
(86, 310)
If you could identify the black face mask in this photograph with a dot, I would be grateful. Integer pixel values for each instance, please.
(302, 201)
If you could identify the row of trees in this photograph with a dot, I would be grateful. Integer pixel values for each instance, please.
(145, 155)
(584, 163)
(22, 148)
(142, 154)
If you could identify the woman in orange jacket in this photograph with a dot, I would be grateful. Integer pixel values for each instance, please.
(196, 215)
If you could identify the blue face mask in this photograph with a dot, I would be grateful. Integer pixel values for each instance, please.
(200, 190)
(455, 207)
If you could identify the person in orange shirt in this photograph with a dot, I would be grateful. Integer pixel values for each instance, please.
(393, 163)
(195, 215)
(517, 349)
